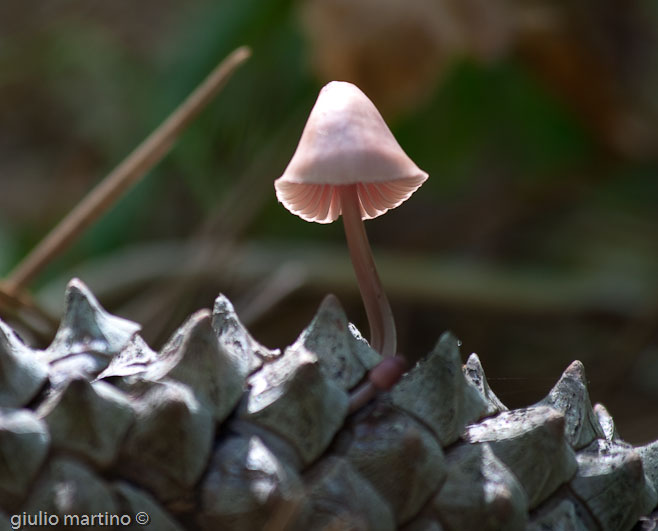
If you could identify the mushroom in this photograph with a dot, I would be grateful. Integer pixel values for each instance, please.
(348, 162)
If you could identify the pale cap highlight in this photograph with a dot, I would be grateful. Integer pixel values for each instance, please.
(346, 142)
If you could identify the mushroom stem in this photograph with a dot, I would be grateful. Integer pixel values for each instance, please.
(380, 317)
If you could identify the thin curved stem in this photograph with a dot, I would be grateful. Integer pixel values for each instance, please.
(361, 396)
(382, 377)
(383, 336)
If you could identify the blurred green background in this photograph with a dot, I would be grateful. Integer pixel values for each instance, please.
(535, 239)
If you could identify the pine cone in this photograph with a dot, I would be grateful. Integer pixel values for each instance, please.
(215, 431)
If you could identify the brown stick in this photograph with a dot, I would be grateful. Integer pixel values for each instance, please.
(125, 175)
(10, 302)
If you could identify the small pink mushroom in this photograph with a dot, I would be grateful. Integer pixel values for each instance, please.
(348, 163)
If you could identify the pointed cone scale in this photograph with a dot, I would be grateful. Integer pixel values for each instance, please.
(475, 373)
(247, 353)
(570, 396)
(341, 355)
(87, 328)
(21, 373)
(194, 357)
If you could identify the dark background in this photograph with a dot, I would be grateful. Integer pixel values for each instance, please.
(535, 239)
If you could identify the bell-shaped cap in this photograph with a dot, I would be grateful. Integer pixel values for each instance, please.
(346, 142)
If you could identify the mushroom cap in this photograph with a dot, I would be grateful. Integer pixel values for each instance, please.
(346, 142)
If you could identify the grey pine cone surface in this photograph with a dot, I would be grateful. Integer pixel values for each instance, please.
(216, 432)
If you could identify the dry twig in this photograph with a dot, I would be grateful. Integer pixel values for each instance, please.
(124, 176)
